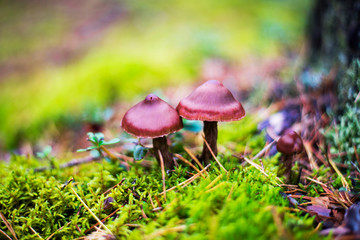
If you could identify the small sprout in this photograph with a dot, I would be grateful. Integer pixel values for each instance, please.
(45, 153)
(98, 144)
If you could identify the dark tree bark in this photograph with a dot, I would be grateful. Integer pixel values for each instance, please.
(334, 32)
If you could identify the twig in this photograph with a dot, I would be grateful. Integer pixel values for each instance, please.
(212, 153)
(189, 163)
(8, 225)
(194, 157)
(162, 173)
(87, 208)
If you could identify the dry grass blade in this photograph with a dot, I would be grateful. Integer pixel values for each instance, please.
(89, 210)
(188, 163)
(8, 225)
(162, 173)
(187, 181)
(194, 157)
(212, 153)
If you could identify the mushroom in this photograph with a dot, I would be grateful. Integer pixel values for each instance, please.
(211, 102)
(153, 118)
(289, 144)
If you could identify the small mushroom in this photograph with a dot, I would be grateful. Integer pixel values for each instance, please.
(153, 118)
(289, 144)
(211, 102)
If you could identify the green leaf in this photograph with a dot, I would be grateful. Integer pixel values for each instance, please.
(139, 152)
(112, 141)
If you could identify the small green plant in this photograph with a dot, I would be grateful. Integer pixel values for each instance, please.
(98, 144)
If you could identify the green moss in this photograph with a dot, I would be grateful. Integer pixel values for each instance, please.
(241, 207)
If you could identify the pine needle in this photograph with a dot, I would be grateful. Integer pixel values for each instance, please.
(91, 212)
(258, 167)
(212, 153)
(214, 181)
(38, 235)
(5, 234)
(188, 163)
(194, 157)
(162, 173)
(216, 187)
(343, 180)
(187, 181)
(8, 225)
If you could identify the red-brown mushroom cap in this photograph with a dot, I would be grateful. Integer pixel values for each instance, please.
(211, 101)
(151, 118)
(289, 143)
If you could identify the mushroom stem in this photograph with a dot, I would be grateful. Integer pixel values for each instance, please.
(160, 143)
(211, 132)
(285, 167)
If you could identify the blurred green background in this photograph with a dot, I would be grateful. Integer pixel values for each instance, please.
(61, 59)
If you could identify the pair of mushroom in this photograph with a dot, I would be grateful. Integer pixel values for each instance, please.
(153, 118)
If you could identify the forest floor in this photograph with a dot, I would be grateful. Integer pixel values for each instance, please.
(116, 189)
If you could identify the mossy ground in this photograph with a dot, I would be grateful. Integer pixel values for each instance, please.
(242, 203)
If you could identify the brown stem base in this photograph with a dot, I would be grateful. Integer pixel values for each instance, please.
(285, 168)
(211, 132)
(161, 144)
